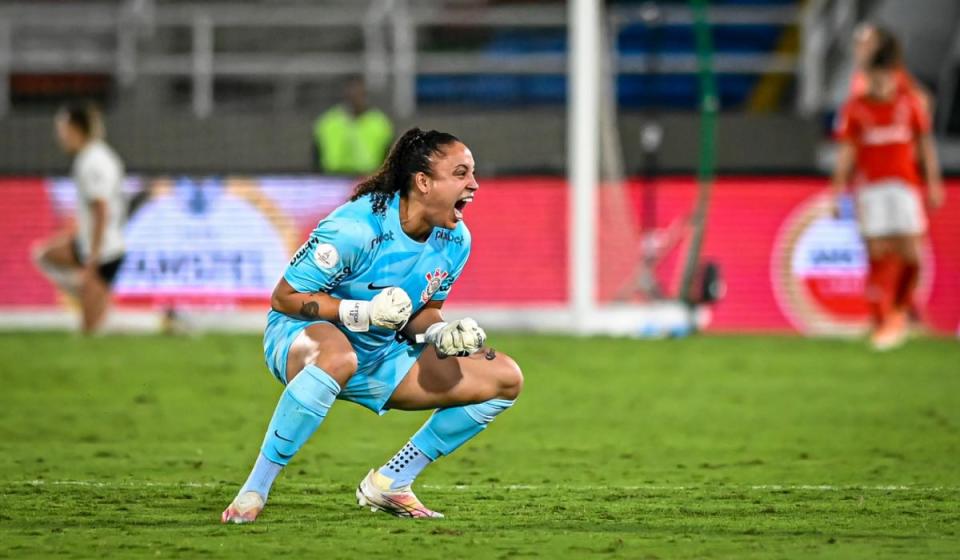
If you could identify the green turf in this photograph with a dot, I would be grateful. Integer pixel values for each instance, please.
(709, 447)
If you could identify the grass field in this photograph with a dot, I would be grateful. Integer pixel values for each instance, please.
(708, 447)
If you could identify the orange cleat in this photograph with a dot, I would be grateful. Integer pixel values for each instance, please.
(891, 334)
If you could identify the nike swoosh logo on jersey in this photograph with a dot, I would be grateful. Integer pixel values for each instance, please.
(374, 287)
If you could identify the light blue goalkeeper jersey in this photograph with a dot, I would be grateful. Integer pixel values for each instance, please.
(354, 253)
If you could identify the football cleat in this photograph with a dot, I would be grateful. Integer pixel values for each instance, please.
(244, 509)
(891, 334)
(374, 492)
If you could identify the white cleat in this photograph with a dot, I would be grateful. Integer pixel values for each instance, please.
(244, 509)
(374, 492)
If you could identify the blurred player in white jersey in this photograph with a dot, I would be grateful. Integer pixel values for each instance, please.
(84, 259)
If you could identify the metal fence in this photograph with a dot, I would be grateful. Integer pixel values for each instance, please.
(120, 39)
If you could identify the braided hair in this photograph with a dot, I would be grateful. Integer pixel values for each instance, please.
(409, 155)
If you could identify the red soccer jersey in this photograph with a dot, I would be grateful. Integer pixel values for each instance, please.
(859, 85)
(884, 134)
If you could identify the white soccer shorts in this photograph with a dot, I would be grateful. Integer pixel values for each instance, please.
(890, 208)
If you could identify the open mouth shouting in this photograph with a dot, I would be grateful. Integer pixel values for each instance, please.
(461, 204)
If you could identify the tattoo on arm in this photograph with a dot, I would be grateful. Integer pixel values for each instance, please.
(310, 310)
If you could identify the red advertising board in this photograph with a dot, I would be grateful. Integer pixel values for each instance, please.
(215, 242)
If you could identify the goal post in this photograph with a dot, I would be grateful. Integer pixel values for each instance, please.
(604, 238)
(583, 140)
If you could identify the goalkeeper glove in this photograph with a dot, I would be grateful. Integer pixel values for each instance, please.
(459, 338)
(390, 309)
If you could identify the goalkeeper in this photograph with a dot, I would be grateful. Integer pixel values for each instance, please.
(357, 316)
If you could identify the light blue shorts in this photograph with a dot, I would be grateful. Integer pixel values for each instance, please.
(376, 378)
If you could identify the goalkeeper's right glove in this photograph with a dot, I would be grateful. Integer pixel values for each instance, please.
(459, 338)
(390, 309)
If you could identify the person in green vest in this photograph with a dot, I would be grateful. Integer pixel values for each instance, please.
(352, 138)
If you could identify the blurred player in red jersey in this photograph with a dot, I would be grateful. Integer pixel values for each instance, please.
(879, 134)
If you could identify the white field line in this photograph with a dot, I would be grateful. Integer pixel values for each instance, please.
(511, 487)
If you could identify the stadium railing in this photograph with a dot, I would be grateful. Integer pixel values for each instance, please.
(117, 33)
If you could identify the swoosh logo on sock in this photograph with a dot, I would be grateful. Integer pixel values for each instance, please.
(283, 456)
(276, 433)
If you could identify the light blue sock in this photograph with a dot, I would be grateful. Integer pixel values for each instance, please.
(302, 407)
(262, 476)
(449, 428)
(405, 465)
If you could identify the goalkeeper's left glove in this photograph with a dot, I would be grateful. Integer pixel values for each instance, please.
(459, 338)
